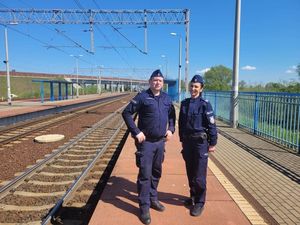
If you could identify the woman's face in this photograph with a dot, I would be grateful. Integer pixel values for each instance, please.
(195, 89)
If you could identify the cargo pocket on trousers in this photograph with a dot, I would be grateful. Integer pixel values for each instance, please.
(138, 156)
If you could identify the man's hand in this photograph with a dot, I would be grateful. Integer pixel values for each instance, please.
(140, 137)
(211, 148)
(168, 135)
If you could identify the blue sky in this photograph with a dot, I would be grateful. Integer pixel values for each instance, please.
(269, 44)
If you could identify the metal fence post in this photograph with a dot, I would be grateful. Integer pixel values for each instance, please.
(255, 119)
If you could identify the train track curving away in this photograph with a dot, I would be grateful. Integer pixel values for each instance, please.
(38, 194)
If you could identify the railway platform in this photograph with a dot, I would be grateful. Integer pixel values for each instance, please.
(26, 106)
(27, 109)
(250, 181)
(119, 205)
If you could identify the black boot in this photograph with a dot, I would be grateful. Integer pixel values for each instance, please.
(157, 206)
(196, 210)
(145, 218)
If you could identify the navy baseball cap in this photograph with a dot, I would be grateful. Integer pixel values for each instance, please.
(156, 73)
(197, 79)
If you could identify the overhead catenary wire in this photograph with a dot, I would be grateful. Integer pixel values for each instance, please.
(71, 40)
(45, 44)
(61, 33)
(104, 36)
(117, 30)
(42, 42)
(99, 17)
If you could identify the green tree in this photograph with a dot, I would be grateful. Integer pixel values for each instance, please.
(298, 70)
(274, 87)
(293, 87)
(218, 78)
(242, 85)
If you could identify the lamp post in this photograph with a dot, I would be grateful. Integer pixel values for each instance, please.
(166, 62)
(76, 61)
(7, 68)
(236, 59)
(99, 80)
(179, 65)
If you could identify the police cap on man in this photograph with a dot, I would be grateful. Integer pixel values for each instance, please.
(157, 73)
(197, 79)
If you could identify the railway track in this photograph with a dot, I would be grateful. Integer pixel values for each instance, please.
(36, 196)
(17, 132)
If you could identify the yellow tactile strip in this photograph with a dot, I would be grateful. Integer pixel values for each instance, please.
(242, 203)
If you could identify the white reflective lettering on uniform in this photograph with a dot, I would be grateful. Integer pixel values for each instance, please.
(211, 120)
(150, 98)
(209, 112)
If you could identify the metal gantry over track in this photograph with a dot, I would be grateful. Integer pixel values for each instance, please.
(103, 17)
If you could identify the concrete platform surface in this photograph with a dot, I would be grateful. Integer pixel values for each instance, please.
(19, 107)
(119, 205)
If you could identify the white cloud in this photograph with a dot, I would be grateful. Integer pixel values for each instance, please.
(202, 71)
(292, 69)
(249, 67)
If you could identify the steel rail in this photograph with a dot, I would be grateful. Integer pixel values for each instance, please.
(13, 183)
(79, 180)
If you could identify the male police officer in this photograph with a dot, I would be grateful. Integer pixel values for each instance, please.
(198, 134)
(156, 123)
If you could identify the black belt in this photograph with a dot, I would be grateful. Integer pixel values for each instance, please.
(150, 139)
(196, 136)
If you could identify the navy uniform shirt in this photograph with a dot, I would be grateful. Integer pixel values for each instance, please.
(156, 114)
(196, 116)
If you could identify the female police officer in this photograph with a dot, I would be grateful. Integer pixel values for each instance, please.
(156, 123)
(198, 134)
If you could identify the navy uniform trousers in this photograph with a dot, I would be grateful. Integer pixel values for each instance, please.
(149, 159)
(195, 155)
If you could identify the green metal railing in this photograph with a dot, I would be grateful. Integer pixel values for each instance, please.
(275, 116)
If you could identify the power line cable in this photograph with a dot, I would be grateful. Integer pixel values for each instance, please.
(4, 6)
(117, 30)
(104, 36)
(42, 42)
(47, 45)
(77, 44)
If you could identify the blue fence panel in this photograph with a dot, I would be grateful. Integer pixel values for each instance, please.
(274, 116)
(220, 102)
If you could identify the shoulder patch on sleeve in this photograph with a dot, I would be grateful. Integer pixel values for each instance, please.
(211, 120)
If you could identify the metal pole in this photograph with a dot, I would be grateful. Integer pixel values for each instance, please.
(7, 68)
(235, 80)
(166, 67)
(145, 32)
(100, 90)
(77, 92)
(187, 46)
(179, 70)
(92, 33)
(166, 64)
